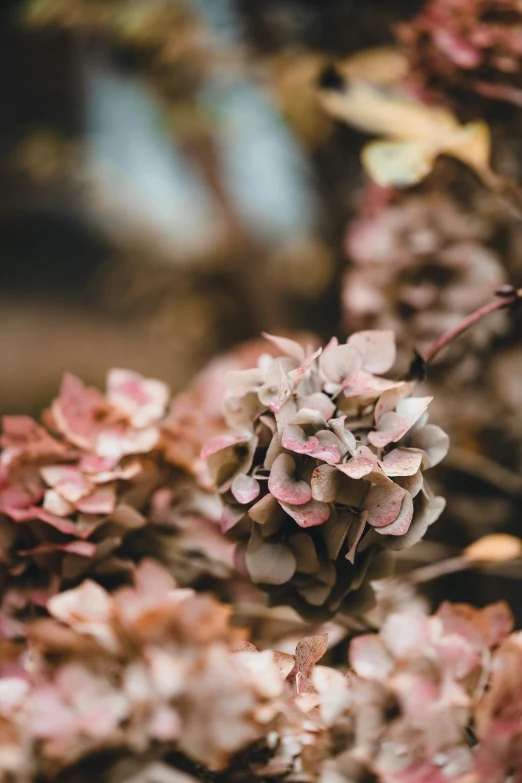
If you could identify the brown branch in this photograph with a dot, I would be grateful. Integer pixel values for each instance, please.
(507, 296)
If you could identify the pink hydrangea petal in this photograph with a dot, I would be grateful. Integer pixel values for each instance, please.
(17, 499)
(339, 362)
(328, 448)
(377, 349)
(220, 442)
(370, 658)
(124, 473)
(230, 516)
(117, 442)
(239, 559)
(362, 463)
(67, 480)
(284, 391)
(101, 501)
(364, 383)
(318, 401)
(433, 441)
(413, 483)
(458, 49)
(92, 463)
(288, 347)
(459, 657)
(81, 548)
(284, 486)
(392, 427)
(54, 503)
(142, 401)
(310, 514)
(297, 375)
(412, 408)
(24, 436)
(402, 462)
(401, 525)
(406, 632)
(295, 439)
(245, 488)
(241, 382)
(75, 411)
(35, 512)
(309, 417)
(426, 513)
(383, 503)
(325, 483)
(389, 399)
(345, 436)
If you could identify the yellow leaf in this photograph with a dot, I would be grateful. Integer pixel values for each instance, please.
(417, 133)
(397, 163)
(381, 65)
(472, 145)
(496, 548)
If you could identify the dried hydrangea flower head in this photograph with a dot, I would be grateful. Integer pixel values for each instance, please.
(423, 687)
(90, 491)
(155, 673)
(468, 44)
(420, 263)
(322, 474)
(132, 670)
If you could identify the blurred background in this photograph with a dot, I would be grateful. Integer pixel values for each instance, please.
(171, 186)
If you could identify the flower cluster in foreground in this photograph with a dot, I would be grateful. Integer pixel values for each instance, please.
(323, 473)
(153, 683)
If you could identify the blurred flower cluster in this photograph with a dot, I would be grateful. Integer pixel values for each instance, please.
(433, 699)
(153, 683)
(106, 479)
(323, 473)
(421, 262)
(468, 44)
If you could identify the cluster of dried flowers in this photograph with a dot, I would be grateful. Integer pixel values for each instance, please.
(101, 483)
(421, 262)
(323, 473)
(468, 44)
(436, 699)
(129, 670)
(152, 683)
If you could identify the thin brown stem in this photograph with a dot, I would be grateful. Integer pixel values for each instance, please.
(436, 570)
(506, 298)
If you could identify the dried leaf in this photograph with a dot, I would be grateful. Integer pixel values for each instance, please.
(417, 133)
(308, 652)
(495, 548)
